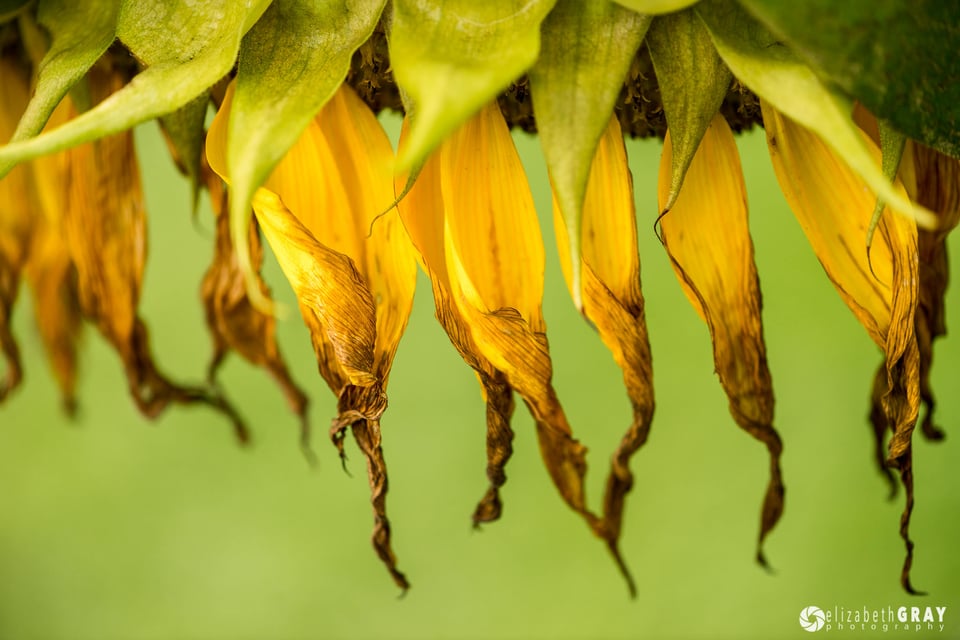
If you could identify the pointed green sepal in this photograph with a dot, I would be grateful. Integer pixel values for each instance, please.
(292, 62)
(693, 83)
(586, 52)
(452, 57)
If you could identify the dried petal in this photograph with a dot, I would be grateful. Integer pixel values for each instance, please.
(487, 259)
(104, 227)
(708, 239)
(16, 209)
(834, 207)
(335, 180)
(612, 299)
(52, 276)
(234, 323)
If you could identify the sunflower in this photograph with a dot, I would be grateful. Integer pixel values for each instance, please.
(858, 103)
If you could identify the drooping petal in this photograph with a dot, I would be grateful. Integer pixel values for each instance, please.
(104, 226)
(834, 207)
(707, 237)
(612, 299)
(336, 304)
(422, 214)
(354, 276)
(52, 276)
(234, 323)
(16, 210)
(489, 268)
(938, 189)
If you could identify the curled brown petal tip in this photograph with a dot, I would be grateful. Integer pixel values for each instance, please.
(500, 407)
(360, 409)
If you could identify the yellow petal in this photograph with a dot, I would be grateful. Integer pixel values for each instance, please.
(834, 207)
(335, 302)
(489, 304)
(16, 209)
(708, 239)
(387, 260)
(612, 299)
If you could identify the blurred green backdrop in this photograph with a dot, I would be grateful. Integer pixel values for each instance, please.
(111, 527)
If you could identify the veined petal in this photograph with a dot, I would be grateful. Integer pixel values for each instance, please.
(354, 281)
(336, 304)
(708, 240)
(387, 260)
(492, 226)
(493, 260)
(834, 207)
(612, 299)
(234, 323)
(104, 226)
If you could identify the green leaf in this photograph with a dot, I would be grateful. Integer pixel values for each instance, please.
(79, 33)
(292, 62)
(693, 83)
(778, 76)
(185, 131)
(452, 57)
(186, 47)
(586, 52)
(898, 57)
(656, 7)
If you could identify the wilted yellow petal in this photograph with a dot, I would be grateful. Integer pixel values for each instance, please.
(834, 207)
(354, 282)
(53, 278)
(489, 300)
(104, 226)
(387, 260)
(708, 239)
(234, 323)
(336, 305)
(612, 299)
(16, 209)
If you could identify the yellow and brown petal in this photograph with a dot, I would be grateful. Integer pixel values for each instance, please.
(881, 288)
(352, 269)
(707, 237)
(613, 301)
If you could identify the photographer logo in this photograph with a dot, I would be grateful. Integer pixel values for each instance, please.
(812, 619)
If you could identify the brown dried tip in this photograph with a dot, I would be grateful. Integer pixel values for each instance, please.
(234, 323)
(104, 225)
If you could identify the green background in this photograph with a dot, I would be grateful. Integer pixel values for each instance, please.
(112, 527)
